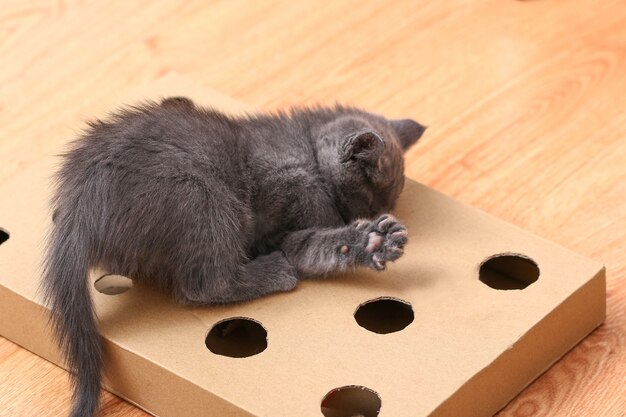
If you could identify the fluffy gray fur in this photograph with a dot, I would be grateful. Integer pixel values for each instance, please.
(217, 209)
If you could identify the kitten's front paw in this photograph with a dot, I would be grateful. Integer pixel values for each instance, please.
(386, 238)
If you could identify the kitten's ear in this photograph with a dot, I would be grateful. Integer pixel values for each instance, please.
(364, 146)
(408, 131)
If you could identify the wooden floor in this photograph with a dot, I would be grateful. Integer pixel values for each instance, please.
(526, 101)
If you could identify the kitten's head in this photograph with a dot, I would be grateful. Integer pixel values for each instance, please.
(361, 155)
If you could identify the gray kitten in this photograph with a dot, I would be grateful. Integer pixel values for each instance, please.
(217, 209)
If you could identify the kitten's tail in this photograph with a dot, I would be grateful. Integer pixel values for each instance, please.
(66, 290)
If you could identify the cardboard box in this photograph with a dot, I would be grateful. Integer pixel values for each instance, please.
(443, 341)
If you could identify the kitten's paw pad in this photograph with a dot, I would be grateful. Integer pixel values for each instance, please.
(386, 241)
(374, 242)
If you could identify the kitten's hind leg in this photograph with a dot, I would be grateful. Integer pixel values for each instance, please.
(268, 273)
(315, 252)
(206, 258)
(260, 276)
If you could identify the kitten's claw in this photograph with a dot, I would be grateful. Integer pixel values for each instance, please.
(384, 222)
(378, 263)
(361, 224)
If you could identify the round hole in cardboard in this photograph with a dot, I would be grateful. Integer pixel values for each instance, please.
(4, 235)
(384, 315)
(113, 284)
(237, 337)
(351, 401)
(508, 271)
